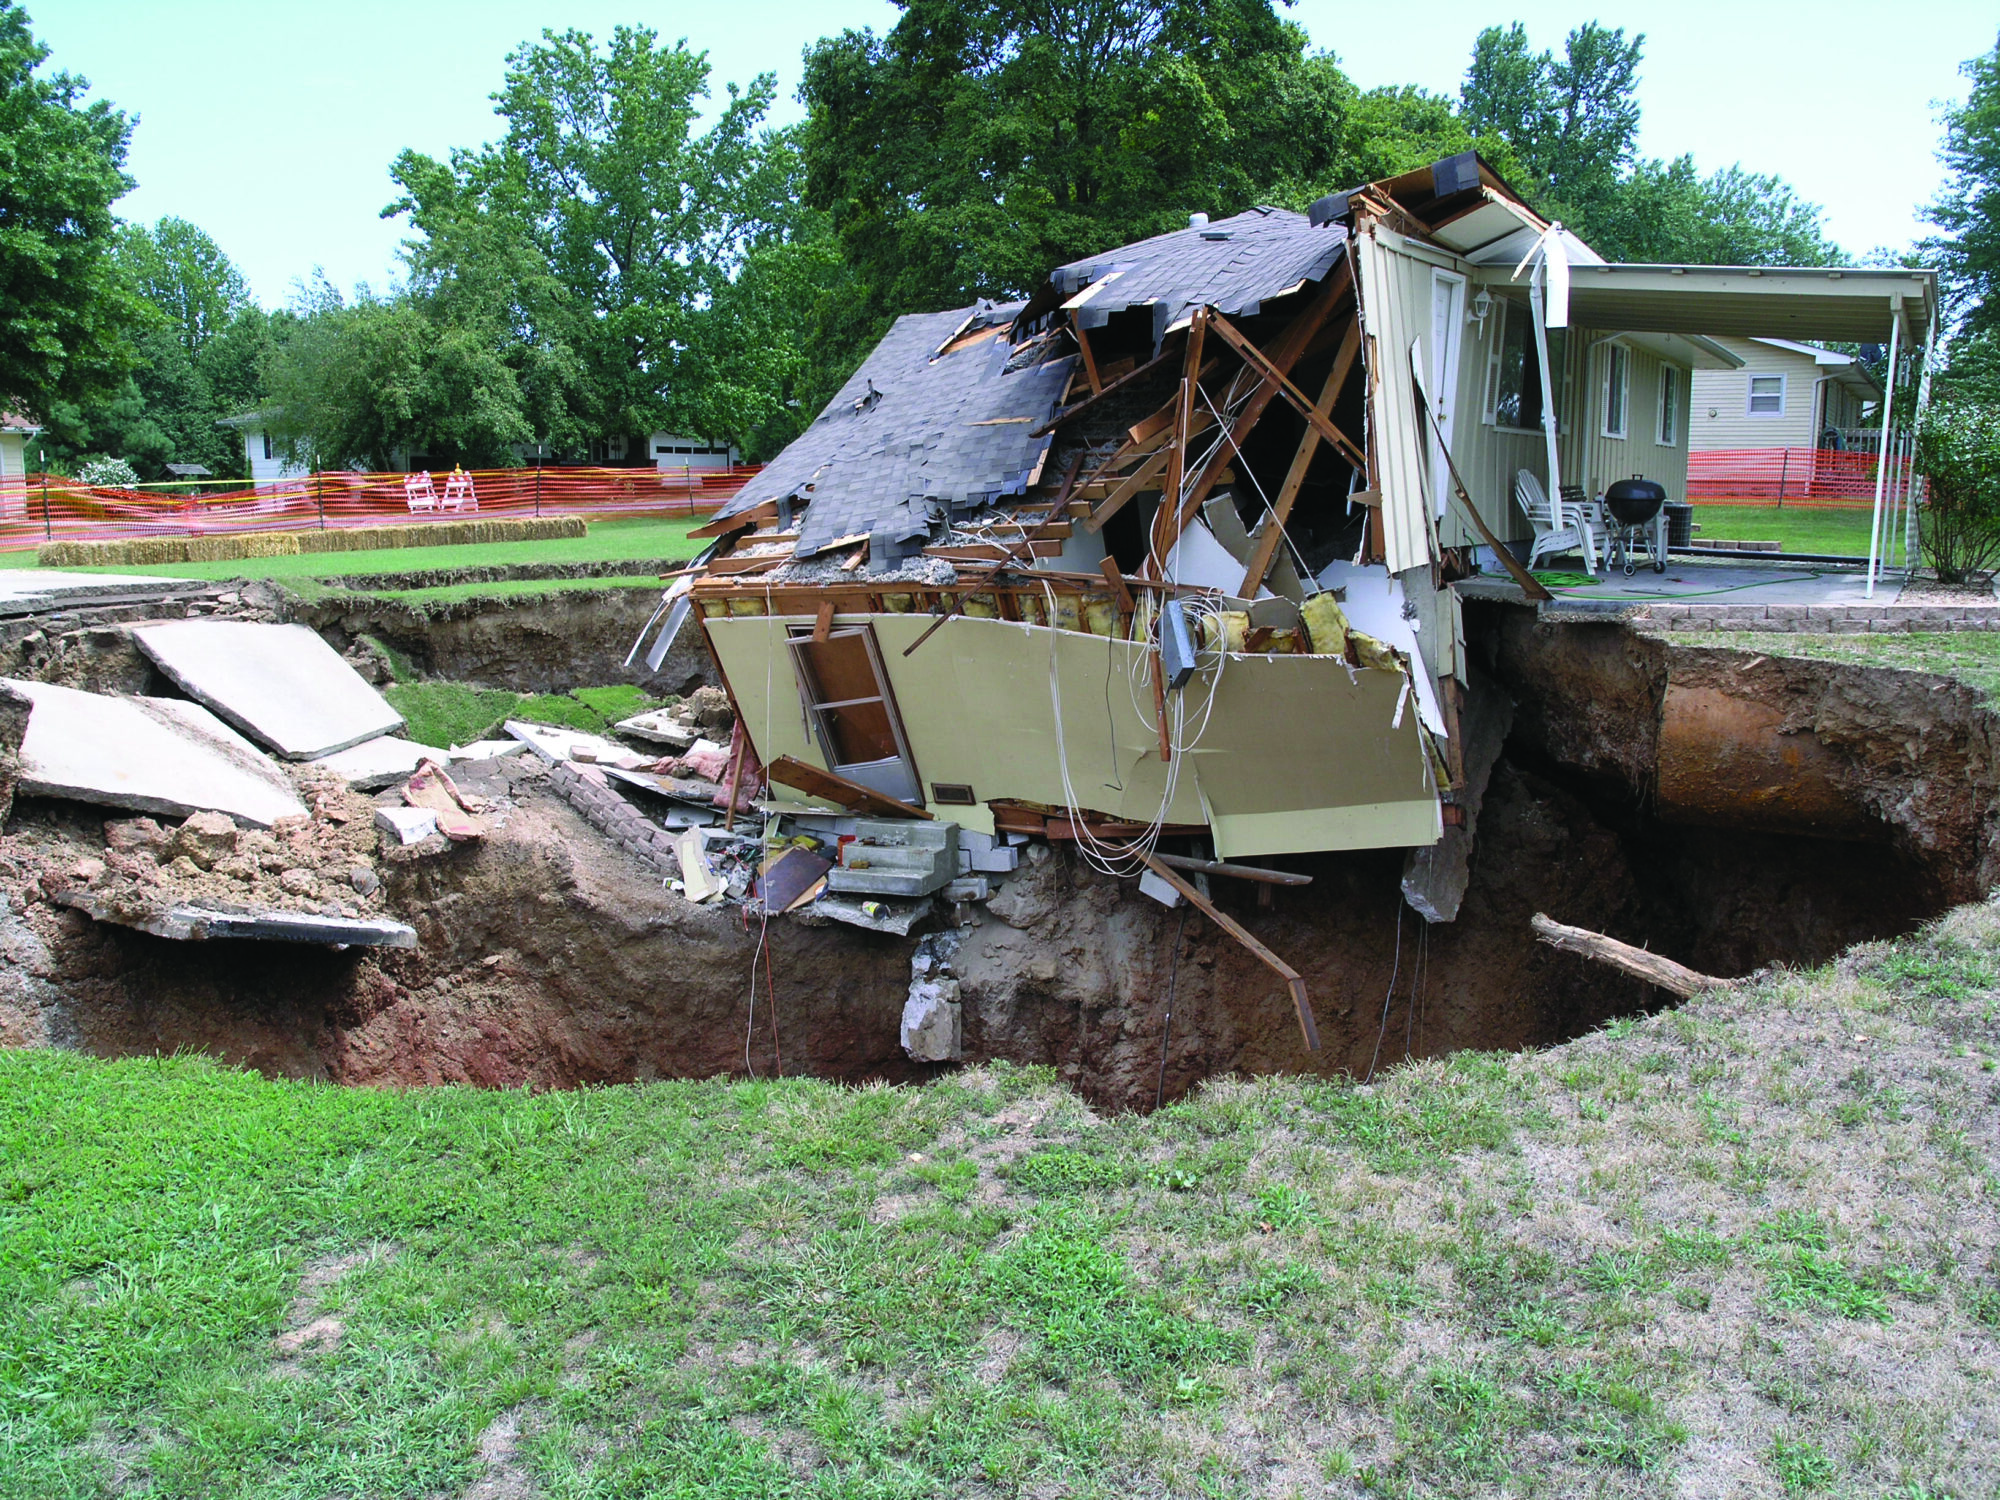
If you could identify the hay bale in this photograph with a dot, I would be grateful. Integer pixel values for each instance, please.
(139, 552)
(244, 544)
(151, 551)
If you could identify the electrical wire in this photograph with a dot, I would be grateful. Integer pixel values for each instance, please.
(1395, 969)
(1167, 1029)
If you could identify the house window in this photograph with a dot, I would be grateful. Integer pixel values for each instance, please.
(1767, 396)
(1617, 388)
(1514, 371)
(1670, 406)
(266, 436)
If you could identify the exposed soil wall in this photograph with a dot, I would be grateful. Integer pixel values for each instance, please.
(550, 643)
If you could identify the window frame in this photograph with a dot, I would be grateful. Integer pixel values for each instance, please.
(1750, 394)
(1667, 434)
(1618, 372)
(1531, 369)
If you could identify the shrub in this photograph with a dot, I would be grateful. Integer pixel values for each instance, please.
(108, 474)
(1958, 453)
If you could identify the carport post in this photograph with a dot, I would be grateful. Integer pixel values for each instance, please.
(1882, 448)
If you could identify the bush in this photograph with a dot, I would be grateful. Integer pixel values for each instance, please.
(1958, 453)
(108, 474)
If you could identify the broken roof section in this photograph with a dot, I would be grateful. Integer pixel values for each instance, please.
(936, 421)
(1233, 265)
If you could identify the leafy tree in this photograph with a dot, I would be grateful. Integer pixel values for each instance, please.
(1968, 210)
(66, 312)
(595, 240)
(185, 275)
(980, 142)
(1667, 211)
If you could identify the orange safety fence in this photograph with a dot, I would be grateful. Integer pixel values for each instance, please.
(39, 508)
(1788, 476)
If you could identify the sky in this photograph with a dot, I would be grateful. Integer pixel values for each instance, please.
(272, 123)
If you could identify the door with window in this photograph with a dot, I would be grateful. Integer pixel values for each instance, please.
(852, 710)
(1447, 328)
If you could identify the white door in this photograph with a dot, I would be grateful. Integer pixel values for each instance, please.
(1447, 327)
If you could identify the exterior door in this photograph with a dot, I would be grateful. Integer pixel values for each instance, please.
(1447, 329)
(853, 712)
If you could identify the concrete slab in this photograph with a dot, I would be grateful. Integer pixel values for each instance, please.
(487, 749)
(659, 727)
(194, 924)
(30, 590)
(153, 755)
(557, 745)
(1700, 581)
(377, 763)
(280, 684)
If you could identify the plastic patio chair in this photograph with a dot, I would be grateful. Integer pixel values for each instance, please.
(1558, 527)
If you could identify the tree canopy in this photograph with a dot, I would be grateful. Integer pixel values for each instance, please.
(66, 311)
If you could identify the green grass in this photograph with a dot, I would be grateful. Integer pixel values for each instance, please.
(453, 713)
(457, 593)
(1972, 656)
(1456, 1282)
(603, 541)
(1802, 528)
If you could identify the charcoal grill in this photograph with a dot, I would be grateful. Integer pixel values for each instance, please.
(1637, 519)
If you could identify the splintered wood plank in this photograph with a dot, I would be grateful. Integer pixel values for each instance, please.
(1261, 362)
(816, 782)
(748, 564)
(1145, 477)
(823, 622)
(1301, 1002)
(1089, 360)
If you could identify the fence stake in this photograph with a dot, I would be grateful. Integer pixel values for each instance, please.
(48, 526)
(319, 500)
(1784, 468)
(538, 480)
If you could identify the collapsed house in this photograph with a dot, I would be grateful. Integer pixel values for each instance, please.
(1170, 548)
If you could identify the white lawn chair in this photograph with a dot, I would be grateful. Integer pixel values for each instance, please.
(420, 493)
(1558, 527)
(458, 491)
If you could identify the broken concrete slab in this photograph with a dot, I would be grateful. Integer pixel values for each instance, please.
(486, 750)
(377, 763)
(32, 590)
(896, 917)
(559, 745)
(152, 755)
(200, 923)
(659, 727)
(680, 788)
(280, 684)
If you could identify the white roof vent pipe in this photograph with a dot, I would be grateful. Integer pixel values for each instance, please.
(1197, 221)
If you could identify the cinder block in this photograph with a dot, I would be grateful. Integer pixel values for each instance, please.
(1003, 860)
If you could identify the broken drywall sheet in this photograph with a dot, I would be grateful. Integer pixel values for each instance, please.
(280, 684)
(1373, 602)
(1435, 876)
(1200, 560)
(153, 755)
(377, 763)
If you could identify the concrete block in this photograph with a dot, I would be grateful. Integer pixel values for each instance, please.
(153, 755)
(1160, 890)
(379, 762)
(931, 1021)
(280, 684)
(968, 888)
(1001, 860)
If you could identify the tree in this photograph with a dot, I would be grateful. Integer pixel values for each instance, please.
(184, 274)
(1968, 209)
(66, 312)
(595, 240)
(1666, 211)
(980, 142)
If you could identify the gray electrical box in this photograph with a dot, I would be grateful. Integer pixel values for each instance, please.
(1176, 645)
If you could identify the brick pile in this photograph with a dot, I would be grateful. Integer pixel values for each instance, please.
(1883, 618)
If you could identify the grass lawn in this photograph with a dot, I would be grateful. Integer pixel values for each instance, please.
(605, 541)
(1746, 1246)
(1973, 656)
(443, 714)
(1801, 528)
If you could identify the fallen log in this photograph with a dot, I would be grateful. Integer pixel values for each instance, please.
(1651, 967)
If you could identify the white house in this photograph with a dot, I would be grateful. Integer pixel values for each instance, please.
(14, 434)
(261, 454)
(671, 451)
(1786, 395)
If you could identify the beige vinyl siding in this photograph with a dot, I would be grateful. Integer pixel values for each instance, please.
(1591, 459)
(1727, 394)
(1396, 309)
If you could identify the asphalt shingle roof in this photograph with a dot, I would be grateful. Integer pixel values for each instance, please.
(910, 437)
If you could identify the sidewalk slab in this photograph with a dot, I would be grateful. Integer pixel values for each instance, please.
(193, 924)
(280, 684)
(152, 755)
(377, 763)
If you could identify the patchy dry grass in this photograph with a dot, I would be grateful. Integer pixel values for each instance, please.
(1742, 1248)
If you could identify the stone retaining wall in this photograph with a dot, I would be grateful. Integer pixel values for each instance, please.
(1879, 618)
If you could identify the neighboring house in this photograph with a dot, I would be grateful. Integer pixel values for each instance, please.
(1168, 548)
(261, 454)
(1784, 395)
(14, 434)
(671, 451)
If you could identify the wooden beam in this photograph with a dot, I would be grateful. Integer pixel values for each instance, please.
(1145, 477)
(1184, 409)
(823, 623)
(1109, 567)
(1160, 703)
(1301, 1002)
(833, 788)
(1110, 390)
(1651, 967)
(1288, 492)
(1261, 362)
(1235, 872)
(1089, 361)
